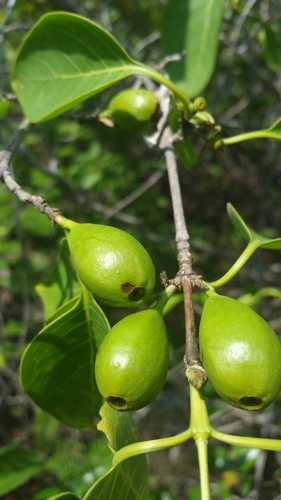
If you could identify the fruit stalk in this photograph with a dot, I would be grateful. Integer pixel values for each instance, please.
(201, 429)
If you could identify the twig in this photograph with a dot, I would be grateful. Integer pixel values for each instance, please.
(120, 205)
(186, 277)
(5, 175)
(82, 198)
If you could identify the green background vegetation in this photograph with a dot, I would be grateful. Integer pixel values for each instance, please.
(85, 169)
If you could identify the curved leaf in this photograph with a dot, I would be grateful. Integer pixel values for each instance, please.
(63, 60)
(192, 26)
(249, 234)
(57, 368)
(17, 465)
(238, 222)
(130, 478)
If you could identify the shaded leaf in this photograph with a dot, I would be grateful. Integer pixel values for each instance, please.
(249, 234)
(128, 480)
(186, 154)
(4, 108)
(64, 496)
(271, 46)
(62, 285)
(63, 60)
(57, 368)
(192, 26)
(238, 222)
(17, 465)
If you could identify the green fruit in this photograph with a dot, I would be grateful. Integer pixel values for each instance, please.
(240, 353)
(133, 110)
(111, 263)
(132, 361)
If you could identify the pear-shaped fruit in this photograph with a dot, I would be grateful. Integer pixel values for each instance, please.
(132, 361)
(240, 353)
(135, 110)
(111, 263)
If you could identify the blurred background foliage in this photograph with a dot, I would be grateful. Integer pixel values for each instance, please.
(86, 169)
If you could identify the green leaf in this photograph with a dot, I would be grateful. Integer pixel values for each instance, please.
(4, 108)
(64, 496)
(238, 222)
(270, 44)
(17, 465)
(130, 478)
(249, 234)
(63, 60)
(192, 26)
(62, 285)
(186, 154)
(57, 368)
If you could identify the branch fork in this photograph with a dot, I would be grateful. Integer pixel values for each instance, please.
(185, 278)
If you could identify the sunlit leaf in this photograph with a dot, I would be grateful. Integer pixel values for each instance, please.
(57, 368)
(62, 285)
(192, 26)
(63, 60)
(17, 465)
(130, 478)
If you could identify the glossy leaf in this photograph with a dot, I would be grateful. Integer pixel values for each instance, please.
(192, 26)
(17, 465)
(57, 368)
(63, 60)
(130, 478)
(249, 234)
(62, 285)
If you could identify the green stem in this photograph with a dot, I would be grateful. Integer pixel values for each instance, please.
(202, 449)
(245, 255)
(273, 292)
(199, 419)
(65, 223)
(147, 446)
(201, 427)
(164, 297)
(256, 134)
(158, 77)
(249, 442)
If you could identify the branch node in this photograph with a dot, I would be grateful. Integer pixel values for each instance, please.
(195, 374)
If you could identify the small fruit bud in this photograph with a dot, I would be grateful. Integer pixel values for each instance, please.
(133, 110)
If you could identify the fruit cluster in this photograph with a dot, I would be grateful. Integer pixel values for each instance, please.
(240, 352)
(132, 361)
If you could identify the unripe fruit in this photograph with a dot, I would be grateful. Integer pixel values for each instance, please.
(240, 353)
(132, 361)
(111, 263)
(133, 110)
